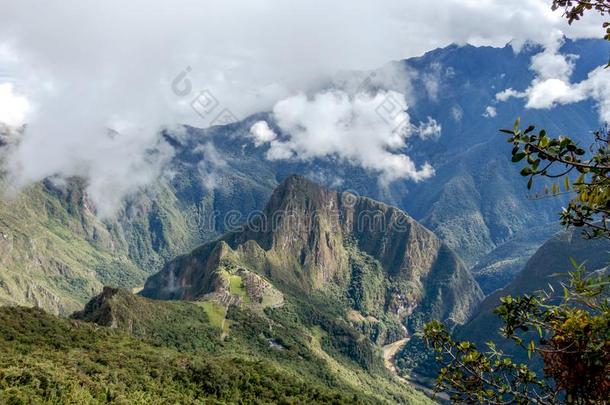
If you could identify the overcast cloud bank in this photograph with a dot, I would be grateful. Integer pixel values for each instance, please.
(93, 81)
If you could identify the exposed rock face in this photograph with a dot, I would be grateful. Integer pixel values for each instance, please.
(310, 238)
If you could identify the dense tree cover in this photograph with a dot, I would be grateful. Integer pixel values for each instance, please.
(569, 332)
(47, 359)
(123, 348)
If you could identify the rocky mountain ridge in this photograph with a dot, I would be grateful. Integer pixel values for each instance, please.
(476, 203)
(312, 239)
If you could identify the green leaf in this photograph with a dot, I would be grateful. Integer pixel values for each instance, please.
(536, 164)
(530, 349)
(517, 124)
(517, 157)
(526, 171)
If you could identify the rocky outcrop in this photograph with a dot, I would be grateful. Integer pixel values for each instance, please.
(114, 308)
(310, 238)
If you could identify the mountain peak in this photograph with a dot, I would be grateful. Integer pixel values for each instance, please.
(295, 179)
(299, 186)
(103, 309)
(315, 239)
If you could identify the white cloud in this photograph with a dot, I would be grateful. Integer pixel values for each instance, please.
(490, 112)
(432, 80)
(552, 84)
(13, 107)
(261, 133)
(85, 67)
(549, 64)
(365, 130)
(546, 93)
(211, 165)
(597, 86)
(429, 129)
(280, 151)
(504, 95)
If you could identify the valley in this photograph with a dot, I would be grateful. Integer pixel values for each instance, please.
(252, 269)
(389, 352)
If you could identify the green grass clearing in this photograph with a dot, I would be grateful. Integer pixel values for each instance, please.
(236, 286)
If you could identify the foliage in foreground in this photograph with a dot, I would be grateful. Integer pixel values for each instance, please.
(558, 158)
(572, 338)
(575, 9)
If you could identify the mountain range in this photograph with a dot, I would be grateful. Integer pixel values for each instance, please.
(322, 283)
(545, 271)
(313, 270)
(476, 202)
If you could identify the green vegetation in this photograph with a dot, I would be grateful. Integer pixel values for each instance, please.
(47, 359)
(342, 254)
(347, 289)
(368, 285)
(572, 338)
(57, 254)
(568, 333)
(236, 286)
(215, 312)
(173, 352)
(558, 158)
(196, 327)
(367, 294)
